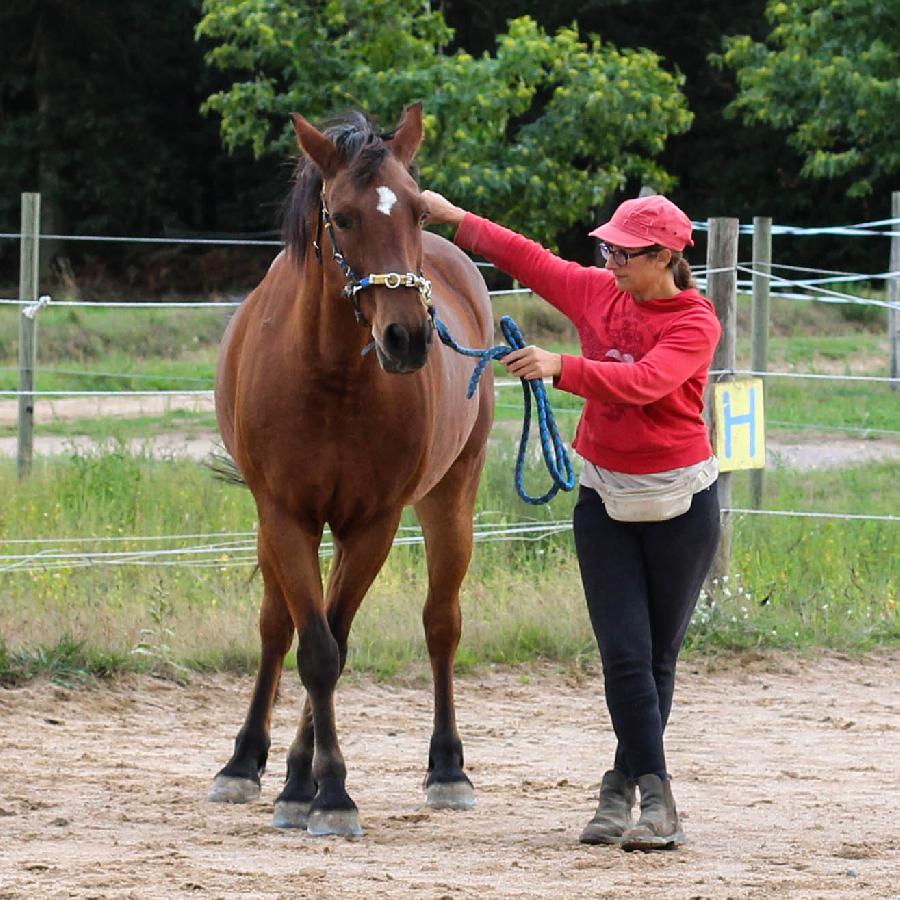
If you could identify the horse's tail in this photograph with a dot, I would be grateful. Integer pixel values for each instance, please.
(222, 465)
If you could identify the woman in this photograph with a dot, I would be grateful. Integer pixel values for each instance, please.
(646, 522)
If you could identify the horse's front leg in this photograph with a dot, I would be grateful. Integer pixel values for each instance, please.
(361, 551)
(293, 803)
(239, 780)
(446, 519)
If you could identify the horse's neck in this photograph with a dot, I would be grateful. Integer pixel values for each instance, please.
(324, 322)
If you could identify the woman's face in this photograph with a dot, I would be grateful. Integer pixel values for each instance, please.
(642, 272)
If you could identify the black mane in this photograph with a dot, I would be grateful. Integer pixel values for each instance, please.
(360, 147)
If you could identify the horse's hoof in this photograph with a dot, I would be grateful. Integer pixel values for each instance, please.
(334, 821)
(290, 814)
(228, 789)
(450, 795)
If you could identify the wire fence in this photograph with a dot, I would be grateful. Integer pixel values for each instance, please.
(238, 549)
(783, 288)
(232, 549)
(878, 228)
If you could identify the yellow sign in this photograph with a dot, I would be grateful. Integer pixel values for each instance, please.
(740, 437)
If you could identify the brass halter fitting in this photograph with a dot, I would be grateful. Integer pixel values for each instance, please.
(354, 284)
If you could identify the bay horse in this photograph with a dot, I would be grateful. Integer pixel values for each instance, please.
(326, 433)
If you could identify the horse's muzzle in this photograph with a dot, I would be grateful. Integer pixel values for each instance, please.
(401, 350)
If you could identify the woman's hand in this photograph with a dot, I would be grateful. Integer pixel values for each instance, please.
(441, 211)
(533, 362)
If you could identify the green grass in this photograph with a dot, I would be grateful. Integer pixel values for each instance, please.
(854, 408)
(793, 582)
(803, 582)
(116, 372)
(115, 337)
(66, 662)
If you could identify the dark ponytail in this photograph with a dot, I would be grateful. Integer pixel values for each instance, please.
(681, 270)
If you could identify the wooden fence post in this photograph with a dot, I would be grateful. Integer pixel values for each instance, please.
(893, 293)
(762, 264)
(29, 266)
(721, 288)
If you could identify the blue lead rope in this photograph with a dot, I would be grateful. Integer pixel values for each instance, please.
(556, 457)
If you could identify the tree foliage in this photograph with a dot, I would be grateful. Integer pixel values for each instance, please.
(538, 134)
(99, 103)
(829, 73)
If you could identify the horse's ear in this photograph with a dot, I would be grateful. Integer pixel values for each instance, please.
(408, 136)
(317, 146)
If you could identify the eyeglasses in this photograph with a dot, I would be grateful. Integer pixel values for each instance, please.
(621, 257)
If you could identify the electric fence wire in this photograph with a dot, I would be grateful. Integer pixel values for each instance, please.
(874, 379)
(859, 229)
(226, 552)
(780, 285)
(231, 554)
(783, 423)
(176, 304)
(828, 295)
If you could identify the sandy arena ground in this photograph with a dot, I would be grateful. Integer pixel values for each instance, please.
(786, 772)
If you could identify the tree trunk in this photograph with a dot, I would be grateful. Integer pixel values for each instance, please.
(49, 181)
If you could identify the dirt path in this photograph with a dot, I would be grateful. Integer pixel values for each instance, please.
(814, 453)
(801, 456)
(786, 774)
(68, 408)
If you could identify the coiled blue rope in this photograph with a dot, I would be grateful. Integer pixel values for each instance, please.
(556, 457)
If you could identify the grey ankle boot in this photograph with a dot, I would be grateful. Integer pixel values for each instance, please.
(658, 827)
(613, 816)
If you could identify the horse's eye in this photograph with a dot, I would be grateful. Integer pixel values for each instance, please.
(342, 222)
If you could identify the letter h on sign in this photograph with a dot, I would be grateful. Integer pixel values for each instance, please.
(739, 424)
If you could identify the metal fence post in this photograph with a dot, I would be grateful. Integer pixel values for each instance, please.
(762, 268)
(29, 265)
(721, 287)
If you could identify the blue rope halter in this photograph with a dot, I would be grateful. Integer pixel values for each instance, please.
(556, 457)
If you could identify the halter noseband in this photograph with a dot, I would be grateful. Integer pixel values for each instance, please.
(383, 279)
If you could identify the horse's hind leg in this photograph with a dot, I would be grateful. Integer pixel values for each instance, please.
(293, 803)
(446, 519)
(239, 780)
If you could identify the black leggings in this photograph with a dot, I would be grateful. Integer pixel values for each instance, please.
(641, 581)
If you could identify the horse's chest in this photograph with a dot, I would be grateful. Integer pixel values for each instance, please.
(357, 426)
(334, 447)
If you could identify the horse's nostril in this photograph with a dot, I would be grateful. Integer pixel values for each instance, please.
(396, 340)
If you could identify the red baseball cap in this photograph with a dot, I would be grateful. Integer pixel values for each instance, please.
(646, 221)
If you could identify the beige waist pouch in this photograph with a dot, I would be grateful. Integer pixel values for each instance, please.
(657, 502)
(655, 505)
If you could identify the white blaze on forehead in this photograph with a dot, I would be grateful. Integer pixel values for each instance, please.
(386, 200)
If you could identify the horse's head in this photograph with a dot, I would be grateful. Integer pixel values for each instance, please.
(372, 208)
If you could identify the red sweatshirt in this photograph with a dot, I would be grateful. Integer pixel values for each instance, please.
(645, 364)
